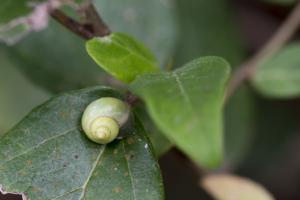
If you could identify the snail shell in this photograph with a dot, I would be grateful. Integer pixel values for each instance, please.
(103, 118)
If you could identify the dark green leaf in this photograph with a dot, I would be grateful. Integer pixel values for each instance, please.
(279, 75)
(47, 156)
(17, 95)
(187, 106)
(207, 28)
(159, 141)
(239, 125)
(121, 56)
(10, 10)
(56, 59)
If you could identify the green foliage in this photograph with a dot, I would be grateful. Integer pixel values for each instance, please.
(10, 10)
(16, 100)
(56, 60)
(122, 56)
(279, 75)
(48, 156)
(186, 105)
(218, 36)
(152, 22)
(207, 28)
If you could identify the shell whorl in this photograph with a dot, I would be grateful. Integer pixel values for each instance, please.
(102, 119)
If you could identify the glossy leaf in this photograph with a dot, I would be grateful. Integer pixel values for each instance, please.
(47, 156)
(279, 75)
(187, 106)
(228, 187)
(121, 56)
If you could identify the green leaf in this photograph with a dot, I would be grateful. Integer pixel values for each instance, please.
(279, 75)
(17, 95)
(16, 19)
(187, 106)
(202, 37)
(56, 60)
(239, 136)
(156, 27)
(47, 156)
(121, 56)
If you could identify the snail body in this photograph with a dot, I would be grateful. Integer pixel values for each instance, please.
(103, 118)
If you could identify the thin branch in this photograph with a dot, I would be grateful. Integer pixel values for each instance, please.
(283, 35)
(99, 26)
(92, 27)
(71, 24)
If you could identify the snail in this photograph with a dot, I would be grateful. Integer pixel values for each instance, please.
(103, 118)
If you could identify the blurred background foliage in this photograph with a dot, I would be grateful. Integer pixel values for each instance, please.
(261, 134)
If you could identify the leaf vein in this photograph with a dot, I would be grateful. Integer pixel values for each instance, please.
(129, 173)
(38, 145)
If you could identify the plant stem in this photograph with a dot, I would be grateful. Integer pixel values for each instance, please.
(99, 27)
(94, 26)
(71, 24)
(277, 41)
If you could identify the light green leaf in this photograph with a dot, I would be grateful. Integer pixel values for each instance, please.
(155, 27)
(218, 36)
(47, 156)
(121, 56)
(187, 106)
(279, 75)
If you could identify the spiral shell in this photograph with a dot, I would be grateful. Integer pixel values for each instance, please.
(103, 118)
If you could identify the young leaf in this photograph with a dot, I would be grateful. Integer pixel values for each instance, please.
(47, 156)
(187, 106)
(122, 56)
(279, 75)
(158, 30)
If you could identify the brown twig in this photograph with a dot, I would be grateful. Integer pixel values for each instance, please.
(284, 33)
(93, 17)
(71, 24)
(92, 27)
